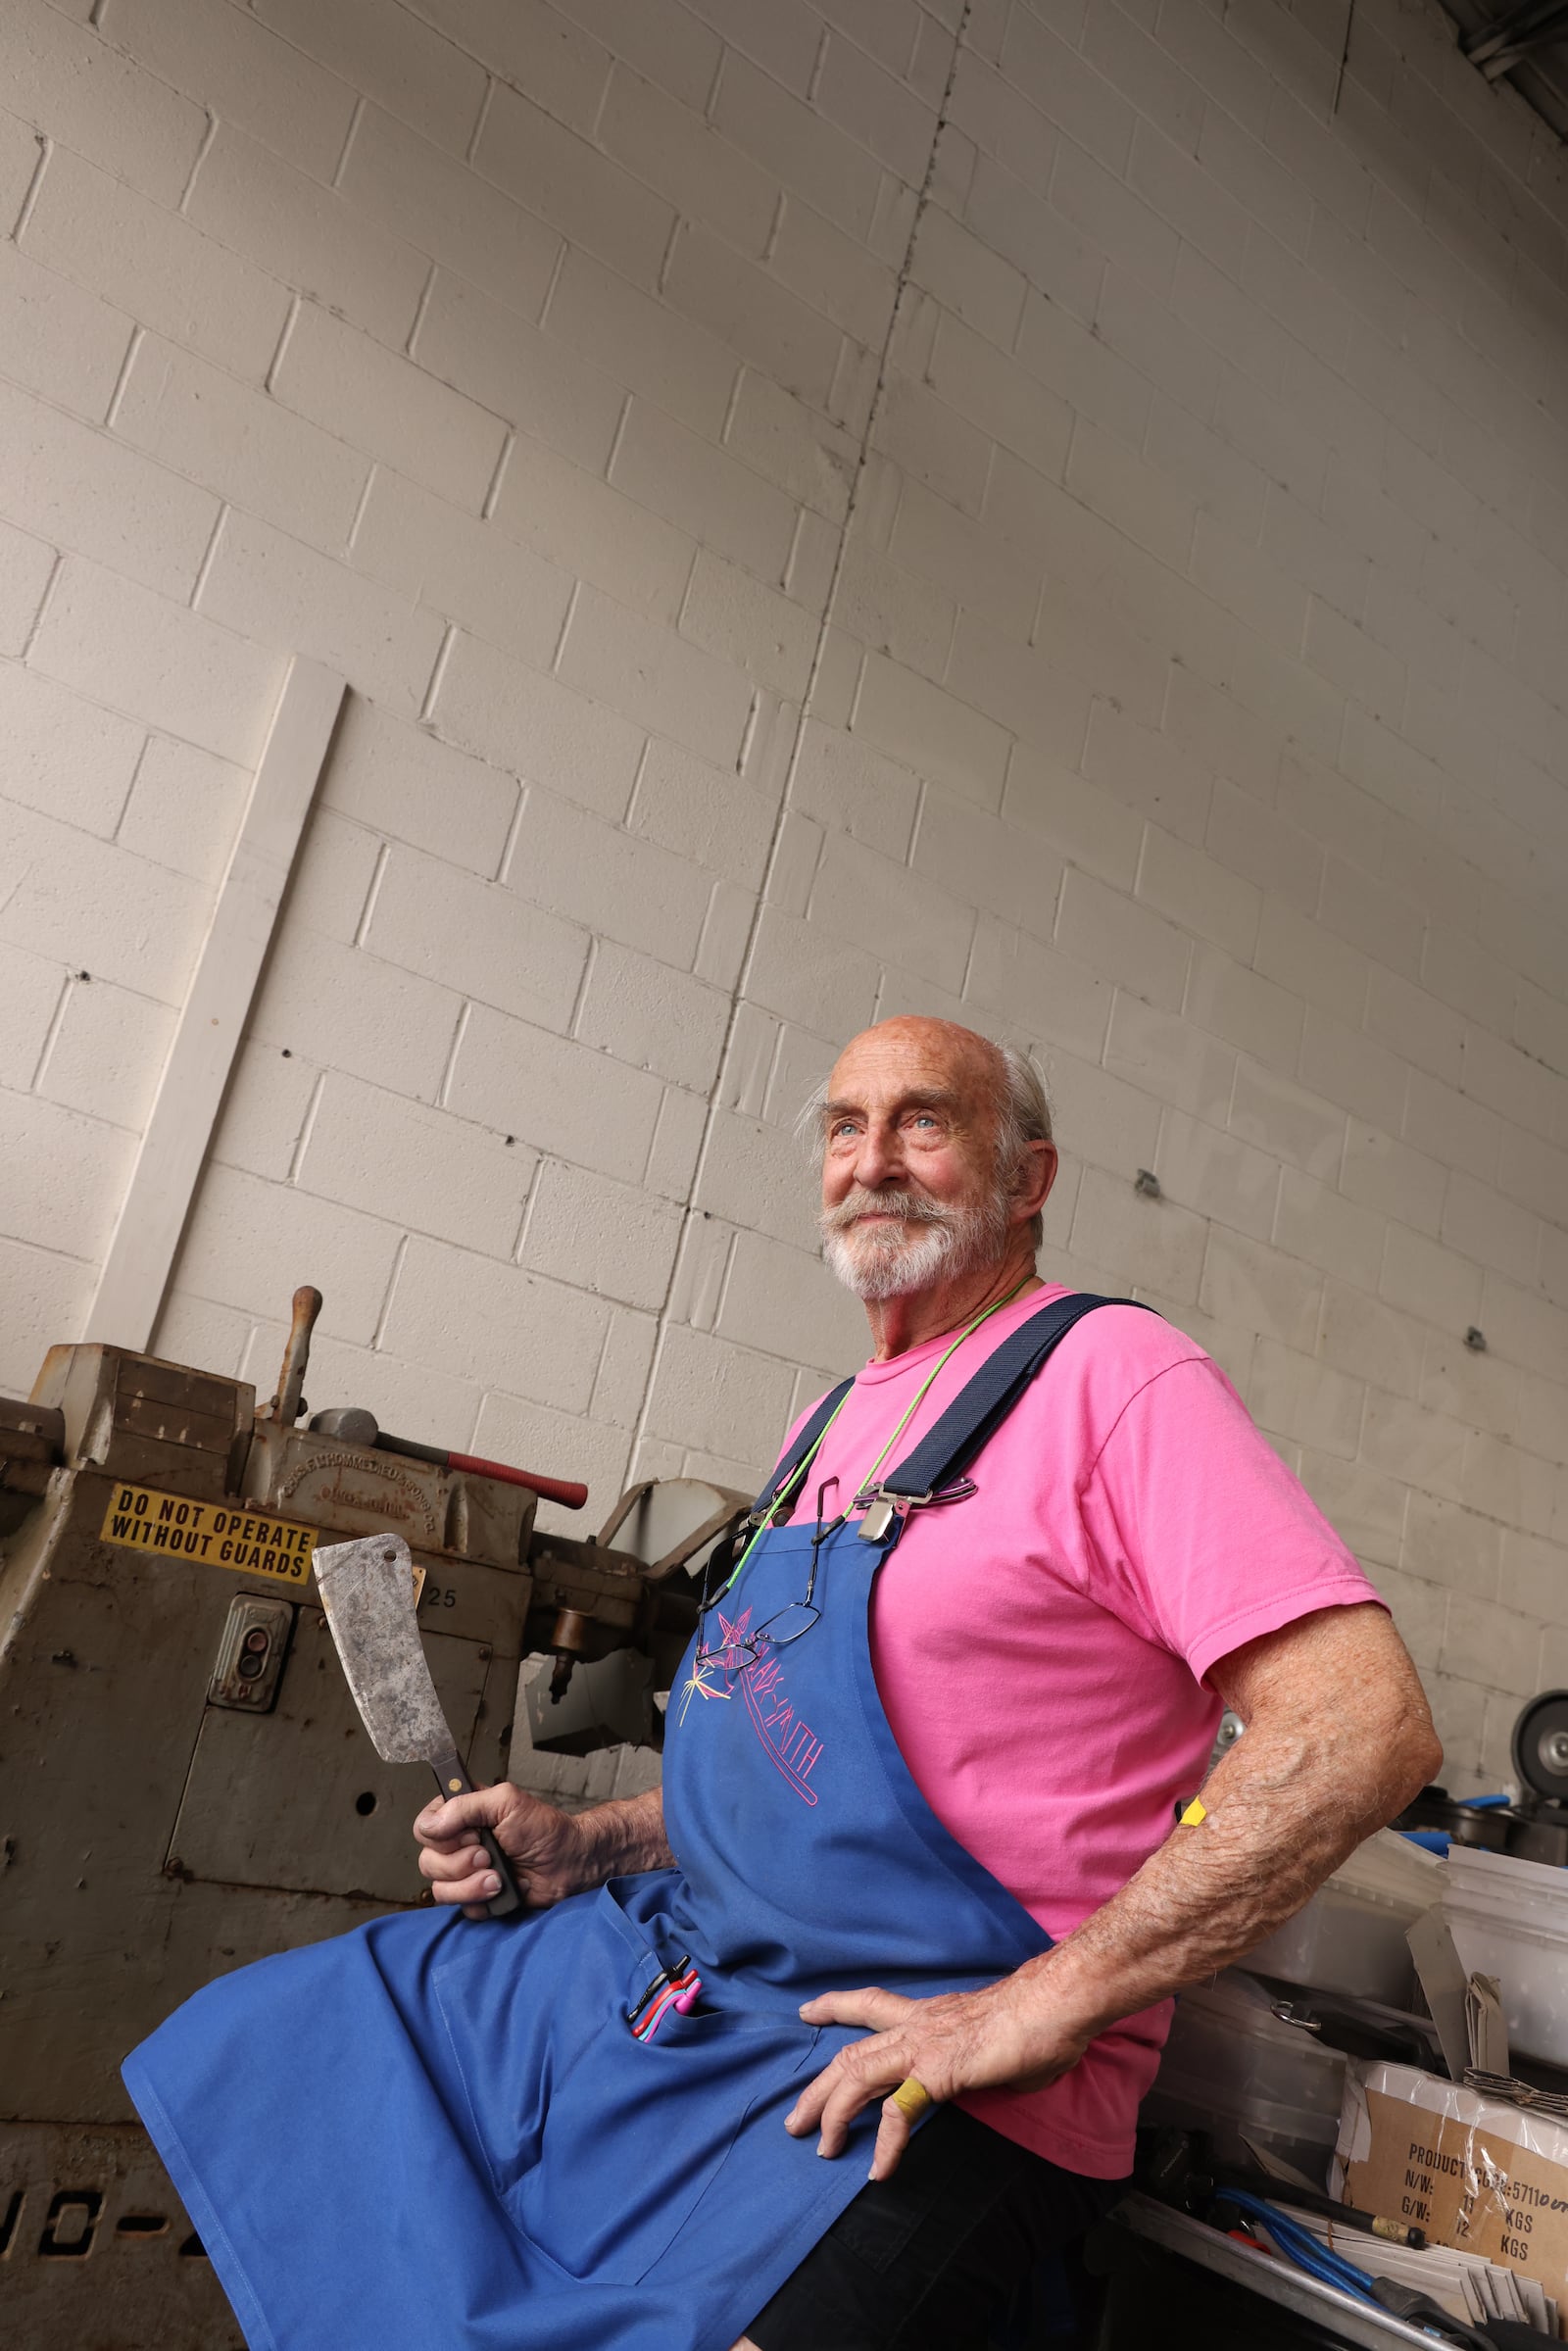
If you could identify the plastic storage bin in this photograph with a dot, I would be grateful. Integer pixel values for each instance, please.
(1350, 1938)
(1231, 2067)
(1509, 1919)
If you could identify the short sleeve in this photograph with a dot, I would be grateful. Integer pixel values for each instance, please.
(1200, 1537)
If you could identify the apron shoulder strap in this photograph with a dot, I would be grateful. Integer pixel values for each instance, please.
(806, 1436)
(980, 1408)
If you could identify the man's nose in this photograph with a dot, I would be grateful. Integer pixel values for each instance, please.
(879, 1158)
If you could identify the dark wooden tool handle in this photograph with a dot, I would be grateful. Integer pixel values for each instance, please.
(454, 1781)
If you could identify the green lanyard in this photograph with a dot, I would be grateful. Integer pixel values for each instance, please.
(791, 1488)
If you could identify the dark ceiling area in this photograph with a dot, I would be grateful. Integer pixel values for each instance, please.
(1525, 42)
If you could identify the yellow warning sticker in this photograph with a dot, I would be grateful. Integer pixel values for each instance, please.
(141, 1519)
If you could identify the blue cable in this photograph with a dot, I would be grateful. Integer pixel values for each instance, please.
(1300, 2246)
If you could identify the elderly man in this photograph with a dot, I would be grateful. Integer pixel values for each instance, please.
(911, 1896)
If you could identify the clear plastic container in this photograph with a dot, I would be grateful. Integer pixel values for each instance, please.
(1350, 1938)
(1233, 2069)
(1509, 1919)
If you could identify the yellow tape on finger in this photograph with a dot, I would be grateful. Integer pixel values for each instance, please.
(912, 2098)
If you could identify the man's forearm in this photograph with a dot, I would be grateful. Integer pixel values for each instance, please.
(623, 1837)
(1282, 1810)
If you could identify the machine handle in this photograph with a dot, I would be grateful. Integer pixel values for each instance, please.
(568, 1492)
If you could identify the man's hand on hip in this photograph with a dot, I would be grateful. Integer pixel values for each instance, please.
(958, 2041)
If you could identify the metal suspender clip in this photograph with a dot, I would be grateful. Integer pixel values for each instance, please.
(884, 1508)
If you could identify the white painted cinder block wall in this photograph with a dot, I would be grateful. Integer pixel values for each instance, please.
(1053, 513)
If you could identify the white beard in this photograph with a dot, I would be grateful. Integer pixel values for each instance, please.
(888, 1260)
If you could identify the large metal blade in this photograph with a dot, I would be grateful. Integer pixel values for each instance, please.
(366, 1589)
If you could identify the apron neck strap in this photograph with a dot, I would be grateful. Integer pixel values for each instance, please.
(805, 1436)
(947, 1449)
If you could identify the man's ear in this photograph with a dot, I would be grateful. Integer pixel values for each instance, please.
(1037, 1172)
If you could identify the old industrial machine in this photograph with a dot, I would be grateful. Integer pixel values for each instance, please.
(186, 1784)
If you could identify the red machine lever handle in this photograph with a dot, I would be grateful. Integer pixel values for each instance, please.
(566, 1491)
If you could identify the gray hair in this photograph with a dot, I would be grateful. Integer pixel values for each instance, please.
(1023, 1116)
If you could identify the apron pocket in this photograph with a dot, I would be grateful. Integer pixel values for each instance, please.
(636, 2132)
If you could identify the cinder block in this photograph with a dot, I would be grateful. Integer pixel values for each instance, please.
(67, 81)
(670, 147)
(1389, 1176)
(20, 153)
(1482, 1224)
(271, 589)
(784, 1302)
(453, 1309)
(1122, 941)
(1233, 1185)
(1013, 976)
(1345, 1067)
(249, 199)
(379, 401)
(1254, 841)
(1533, 1578)
(1068, 91)
(398, 779)
(625, 889)
(1351, 661)
(67, 1174)
(1003, 398)
(934, 442)
(447, 925)
(811, 460)
(644, 1013)
(1415, 1025)
(426, 195)
(107, 1054)
(564, 1099)
(1214, 476)
(702, 813)
(1364, 1336)
(1186, 885)
(1205, 47)
(968, 277)
(1483, 1391)
(582, 526)
(57, 338)
(387, 1025)
(1318, 1223)
(78, 489)
(1007, 210)
(1535, 1173)
(1255, 344)
(394, 58)
(800, 972)
(1039, 691)
(931, 731)
(1252, 416)
(579, 191)
(706, 1391)
(508, 365)
(173, 668)
(1513, 1083)
(1169, 1058)
(1152, 1244)
(878, 111)
(1101, 1120)
(1136, 496)
(833, 274)
(1285, 1120)
(1425, 1278)
(1291, 1393)
(47, 1293)
(1245, 1009)
(153, 263)
(749, 626)
(1525, 1329)
(466, 570)
(1444, 1545)
(1095, 830)
(33, 986)
(1093, 379)
(623, 1368)
(238, 442)
(753, 1174)
(706, 492)
(61, 755)
(1492, 1645)
(662, 40)
(809, 156)
(1422, 1449)
(655, 677)
(419, 1168)
(1451, 1127)
(1505, 1481)
(536, 727)
(1147, 771)
(226, 60)
(782, 36)
(265, 1111)
(1251, 1287)
(638, 341)
(1310, 962)
(601, 1236)
(1248, 583)
(1244, 167)
(250, 1243)
(892, 912)
(1009, 870)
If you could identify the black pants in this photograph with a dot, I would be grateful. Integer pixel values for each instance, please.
(932, 2258)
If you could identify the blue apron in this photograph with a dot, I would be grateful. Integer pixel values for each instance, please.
(440, 2134)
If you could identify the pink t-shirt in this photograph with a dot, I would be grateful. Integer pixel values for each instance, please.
(1040, 1648)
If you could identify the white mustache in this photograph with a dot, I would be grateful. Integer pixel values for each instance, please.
(913, 1208)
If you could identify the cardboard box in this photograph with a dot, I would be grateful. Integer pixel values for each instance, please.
(1473, 2172)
